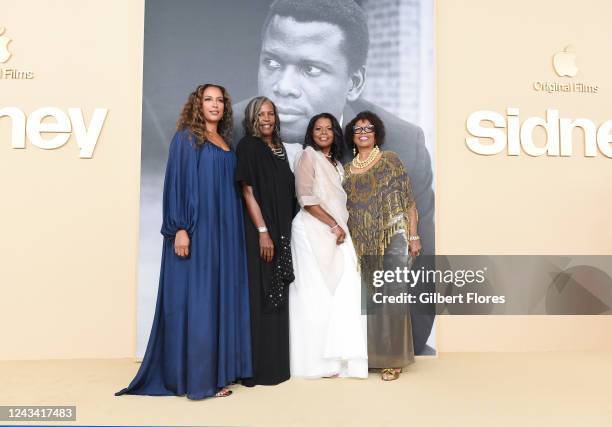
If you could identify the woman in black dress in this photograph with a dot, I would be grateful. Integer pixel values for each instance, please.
(269, 197)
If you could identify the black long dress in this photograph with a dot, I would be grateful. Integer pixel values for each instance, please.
(274, 190)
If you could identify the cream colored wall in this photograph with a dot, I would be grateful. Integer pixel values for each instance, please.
(69, 225)
(69, 240)
(488, 56)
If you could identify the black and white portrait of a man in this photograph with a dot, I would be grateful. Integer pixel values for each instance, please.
(308, 57)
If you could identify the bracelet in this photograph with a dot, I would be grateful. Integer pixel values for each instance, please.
(413, 238)
(334, 227)
(262, 229)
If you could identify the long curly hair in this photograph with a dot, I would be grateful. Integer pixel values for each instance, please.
(251, 119)
(192, 115)
(337, 147)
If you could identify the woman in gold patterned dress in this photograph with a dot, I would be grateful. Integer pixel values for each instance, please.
(383, 223)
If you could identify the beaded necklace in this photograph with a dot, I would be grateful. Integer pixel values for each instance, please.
(278, 152)
(362, 164)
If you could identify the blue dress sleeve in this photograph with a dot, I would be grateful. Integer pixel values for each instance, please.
(180, 204)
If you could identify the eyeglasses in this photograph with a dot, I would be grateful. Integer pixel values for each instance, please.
(363, 129)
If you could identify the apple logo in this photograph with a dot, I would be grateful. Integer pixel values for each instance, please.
(565, 63)
(4, 52)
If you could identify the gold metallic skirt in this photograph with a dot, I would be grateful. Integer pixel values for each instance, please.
(389, 327)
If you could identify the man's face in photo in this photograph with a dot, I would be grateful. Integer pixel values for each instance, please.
(304, 70)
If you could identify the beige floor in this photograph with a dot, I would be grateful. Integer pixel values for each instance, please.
(455, 389)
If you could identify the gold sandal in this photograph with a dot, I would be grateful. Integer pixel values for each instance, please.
(390, 374)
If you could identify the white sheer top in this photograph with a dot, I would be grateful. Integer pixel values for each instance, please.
(318, 182)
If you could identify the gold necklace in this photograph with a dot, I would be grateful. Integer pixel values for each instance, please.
(362, 164)
(278, 152)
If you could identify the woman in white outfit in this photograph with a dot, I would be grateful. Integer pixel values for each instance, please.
(327, 331)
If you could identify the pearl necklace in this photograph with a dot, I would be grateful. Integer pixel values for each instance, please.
(362, 164)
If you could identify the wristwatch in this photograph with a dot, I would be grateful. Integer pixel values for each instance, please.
(262, 229)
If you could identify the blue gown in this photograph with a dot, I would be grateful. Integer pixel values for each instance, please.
(200, 340)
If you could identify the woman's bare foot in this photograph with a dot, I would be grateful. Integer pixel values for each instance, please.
(224, 392)
(336, 375)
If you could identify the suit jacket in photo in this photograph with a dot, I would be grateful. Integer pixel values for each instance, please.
(405, 139)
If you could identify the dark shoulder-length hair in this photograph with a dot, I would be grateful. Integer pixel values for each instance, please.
(251, 119)
(337, 147)
(192, 115)
(379, 129)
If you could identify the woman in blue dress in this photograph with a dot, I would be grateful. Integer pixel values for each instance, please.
(200, 340)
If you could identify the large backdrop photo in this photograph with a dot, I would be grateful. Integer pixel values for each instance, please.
(252, 47)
